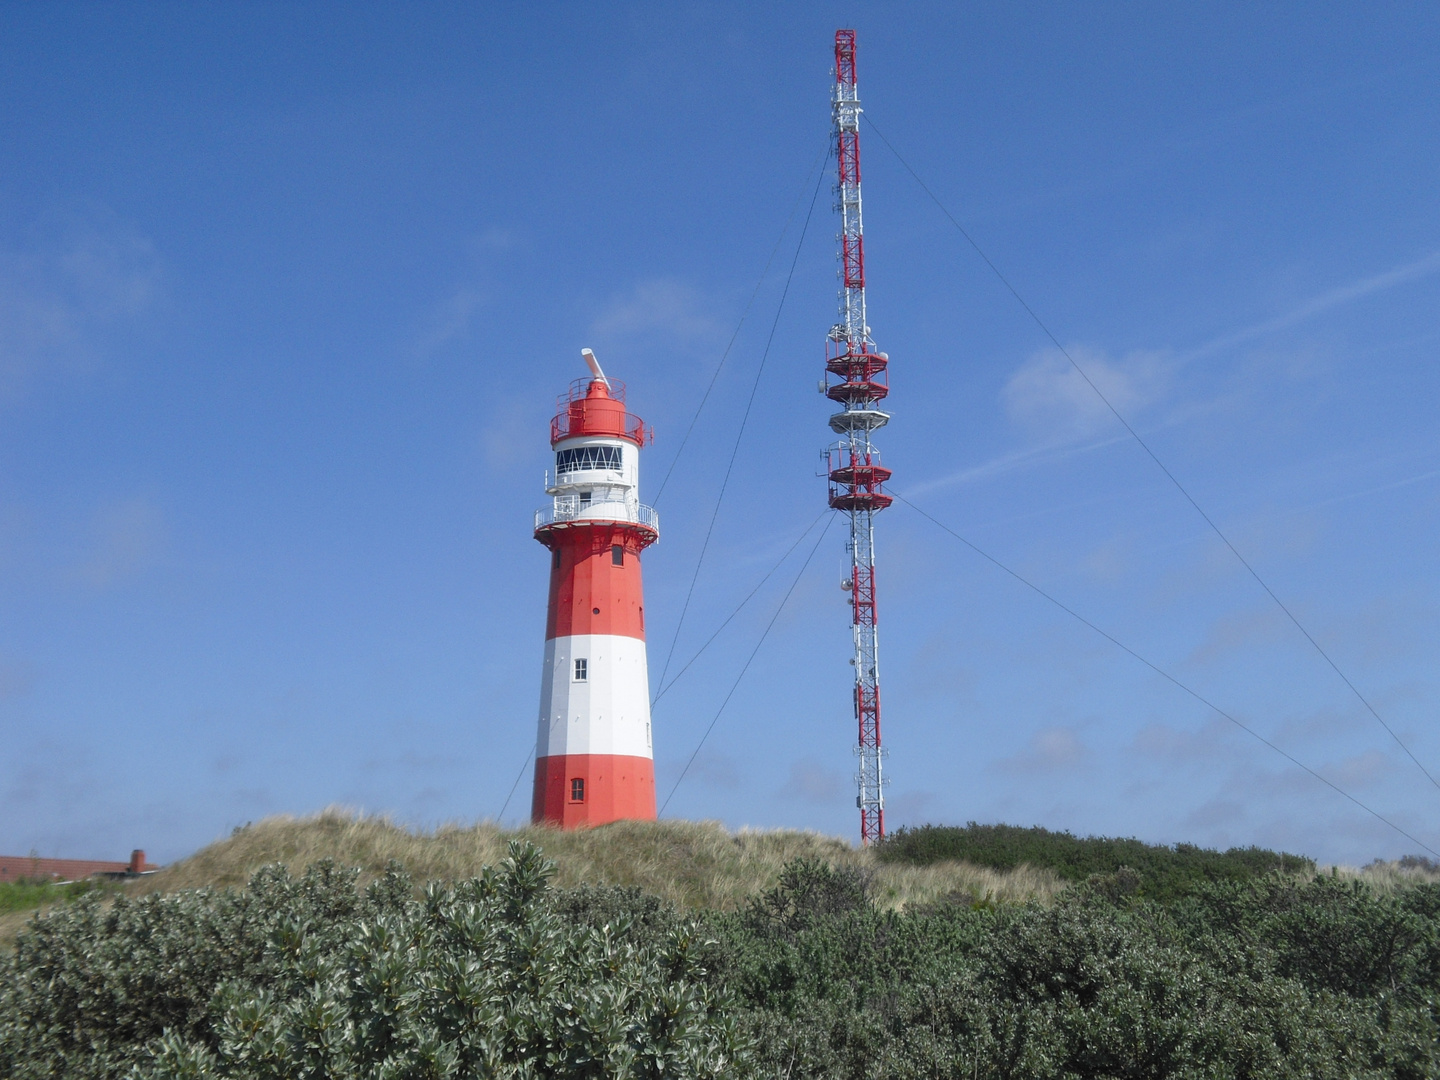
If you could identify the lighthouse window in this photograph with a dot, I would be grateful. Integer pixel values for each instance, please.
(617, 554)
(557, 559)
(579, 458)
(582, 670)
(577, 789)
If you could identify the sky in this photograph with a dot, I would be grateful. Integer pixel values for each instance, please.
(287, 293)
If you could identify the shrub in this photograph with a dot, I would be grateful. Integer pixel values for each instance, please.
(1239, 981)
(315, 978)
(1164, 872)
(1267, 978)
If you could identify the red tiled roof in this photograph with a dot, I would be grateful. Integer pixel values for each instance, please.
(29, 868)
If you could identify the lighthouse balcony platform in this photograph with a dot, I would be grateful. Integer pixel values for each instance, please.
(572, 511)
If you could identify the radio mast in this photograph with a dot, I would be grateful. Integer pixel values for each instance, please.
(853, 463)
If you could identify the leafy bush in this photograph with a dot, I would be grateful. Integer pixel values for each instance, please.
(1260, 979)
(315, 978)
(1164, 872)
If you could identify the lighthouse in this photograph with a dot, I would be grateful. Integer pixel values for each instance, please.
(593, 759)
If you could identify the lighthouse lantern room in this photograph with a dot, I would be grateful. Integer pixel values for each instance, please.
(593, 760)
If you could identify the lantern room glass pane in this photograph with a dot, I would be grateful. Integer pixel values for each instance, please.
(582, 458)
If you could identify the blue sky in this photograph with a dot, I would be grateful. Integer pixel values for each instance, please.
(287, 291)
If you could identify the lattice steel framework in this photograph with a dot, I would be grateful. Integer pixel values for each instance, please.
(853, 464)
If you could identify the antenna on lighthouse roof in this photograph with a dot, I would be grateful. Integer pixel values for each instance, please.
(595, 367)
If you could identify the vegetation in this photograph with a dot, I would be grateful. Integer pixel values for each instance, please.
(1161, 872)
(693, 865)
(317, 978)
(523, 971)
(28, 895)
(1270, 978)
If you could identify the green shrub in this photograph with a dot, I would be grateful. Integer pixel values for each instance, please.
(1267, 978)
(1263, 979)
(1164, 872)
(315, 978)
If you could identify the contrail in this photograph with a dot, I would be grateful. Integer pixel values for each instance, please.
(1324, 302)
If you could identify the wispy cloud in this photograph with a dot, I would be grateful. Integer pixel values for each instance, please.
(126, 537)
(907, 807)
(811, 782)
(17, 678)
(451, 319)
(1239, 631)
(1360, 770)
(1213, 740)
(58, 300)
(662, 306)
(504, 440)
(1428, 474)
(1317, 305)
(717, 770)
(1047, 395)
(1003, 464)
(1051, 749)
(1051, 400)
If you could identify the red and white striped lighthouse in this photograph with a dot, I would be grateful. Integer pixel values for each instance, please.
(593, 760)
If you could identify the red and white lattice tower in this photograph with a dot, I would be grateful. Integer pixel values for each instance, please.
(853, 463)
(593, 760)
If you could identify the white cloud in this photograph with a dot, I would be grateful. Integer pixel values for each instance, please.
(1050, 397)
(658, 306)
(1243, 631)
(17, 678)
(1036, 457)
(812, 782)
(1172, 745)
(1360, 770)
(506, 440)
(1049, 750)
(450, 320)
(126, 538)
(910, 807)
(57, 302)
(1317, 305)
(717, 770)
(1110, 561)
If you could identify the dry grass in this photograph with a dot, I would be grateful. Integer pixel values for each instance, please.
(690, 864)
(11, 923)
(1385, 877)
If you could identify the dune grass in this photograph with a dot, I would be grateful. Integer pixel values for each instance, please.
(1387, 877)
(690, 864)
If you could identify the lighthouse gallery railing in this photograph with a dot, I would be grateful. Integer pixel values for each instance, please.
(571, 509)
